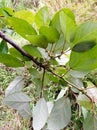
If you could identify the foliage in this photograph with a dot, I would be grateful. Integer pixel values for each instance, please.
(74, 104)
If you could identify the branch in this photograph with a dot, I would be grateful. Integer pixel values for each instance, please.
(14, 44)
(42, 85)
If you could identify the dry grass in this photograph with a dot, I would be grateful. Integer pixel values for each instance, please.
(83, 9)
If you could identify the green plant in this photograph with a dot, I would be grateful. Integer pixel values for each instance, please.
(73, 103)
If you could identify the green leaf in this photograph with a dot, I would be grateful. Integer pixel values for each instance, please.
(85, 32)
(3, 47)
(90, 123)
(50, 33)
(84, 46)
(59, 44)
(15, 86)
(62, 93)
(42, 17)
(10, 61)
(25, 15)
(1, 13)
(60, 70)
(77, 82)
(78, 74)
(37, 40)
(21, 26)
(60, 114)
(84, 101)
(6, 11)
(92, 92)
(85, 112)
(17, 54)
(20, 102)
(32, 50)
(85, 61)
(56, 19)
(67, 25)
(40, 114)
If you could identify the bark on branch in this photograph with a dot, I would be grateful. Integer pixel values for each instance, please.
(14, 44)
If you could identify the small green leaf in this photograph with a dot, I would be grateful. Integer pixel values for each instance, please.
(37, 40)
(42, 17)
(67, 26)
(50, 33)
(60, 70)
(84, 46)
(21, 26)
(85, 61)
(1, 13)
(3, 47)
(56, 19)
(16, 53)
(6, 11)
(10, 61)
(32, 50)
(84, 101)
(25, 15)
(77, 82)
(85, 32)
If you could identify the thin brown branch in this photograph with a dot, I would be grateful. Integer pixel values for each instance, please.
(70, 84)
(14, 44)
(42, 85)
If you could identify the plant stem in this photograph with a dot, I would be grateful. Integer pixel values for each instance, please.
(41, 94)
(14, 44)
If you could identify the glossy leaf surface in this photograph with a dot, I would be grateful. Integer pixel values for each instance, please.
(10, 61)
(3, 47)
(85, 61)
(32, 50)
(25, 15)
(84, 101)
(23, 27)
(67, 25)
(84, 46)
(37, 40)
(42, 17)
(51, 34)
(56, 19)
(85, 32)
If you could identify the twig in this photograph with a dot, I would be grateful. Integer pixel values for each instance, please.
(42, 85)
(14, 44)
